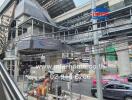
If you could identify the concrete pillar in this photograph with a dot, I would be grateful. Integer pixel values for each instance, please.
(16, 70)
(123, 58)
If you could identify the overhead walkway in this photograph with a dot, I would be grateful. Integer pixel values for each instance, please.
(120, 26)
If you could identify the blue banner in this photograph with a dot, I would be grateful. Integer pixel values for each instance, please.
(100, 13)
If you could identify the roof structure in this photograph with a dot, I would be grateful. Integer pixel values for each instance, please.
(33, 9)
(57, 7)
(3, 5)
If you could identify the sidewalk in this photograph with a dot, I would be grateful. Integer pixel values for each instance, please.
(76, 96)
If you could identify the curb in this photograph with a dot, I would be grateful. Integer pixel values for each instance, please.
(84, 97)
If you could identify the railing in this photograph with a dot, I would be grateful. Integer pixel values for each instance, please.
(10, 85)
(118, 25)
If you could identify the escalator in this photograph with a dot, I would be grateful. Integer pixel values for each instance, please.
(8, 88)
(2, 93)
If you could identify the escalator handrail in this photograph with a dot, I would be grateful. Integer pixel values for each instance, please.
(10, 84)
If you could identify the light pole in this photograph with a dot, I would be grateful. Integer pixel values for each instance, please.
(97, 57)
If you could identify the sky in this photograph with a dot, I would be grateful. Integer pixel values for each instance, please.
(80, 2)
(77, 2)
(1, 1)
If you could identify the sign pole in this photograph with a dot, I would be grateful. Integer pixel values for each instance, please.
(97, 56)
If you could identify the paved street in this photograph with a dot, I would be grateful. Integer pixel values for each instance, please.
(82, 88)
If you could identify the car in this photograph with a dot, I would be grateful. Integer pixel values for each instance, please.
(129, 78)
(116, 91)
(108, 78)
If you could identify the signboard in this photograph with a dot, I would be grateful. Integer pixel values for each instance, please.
(111, 53)
(85, 60)
(100, 13)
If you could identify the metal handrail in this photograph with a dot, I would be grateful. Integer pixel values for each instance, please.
(10, 84)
